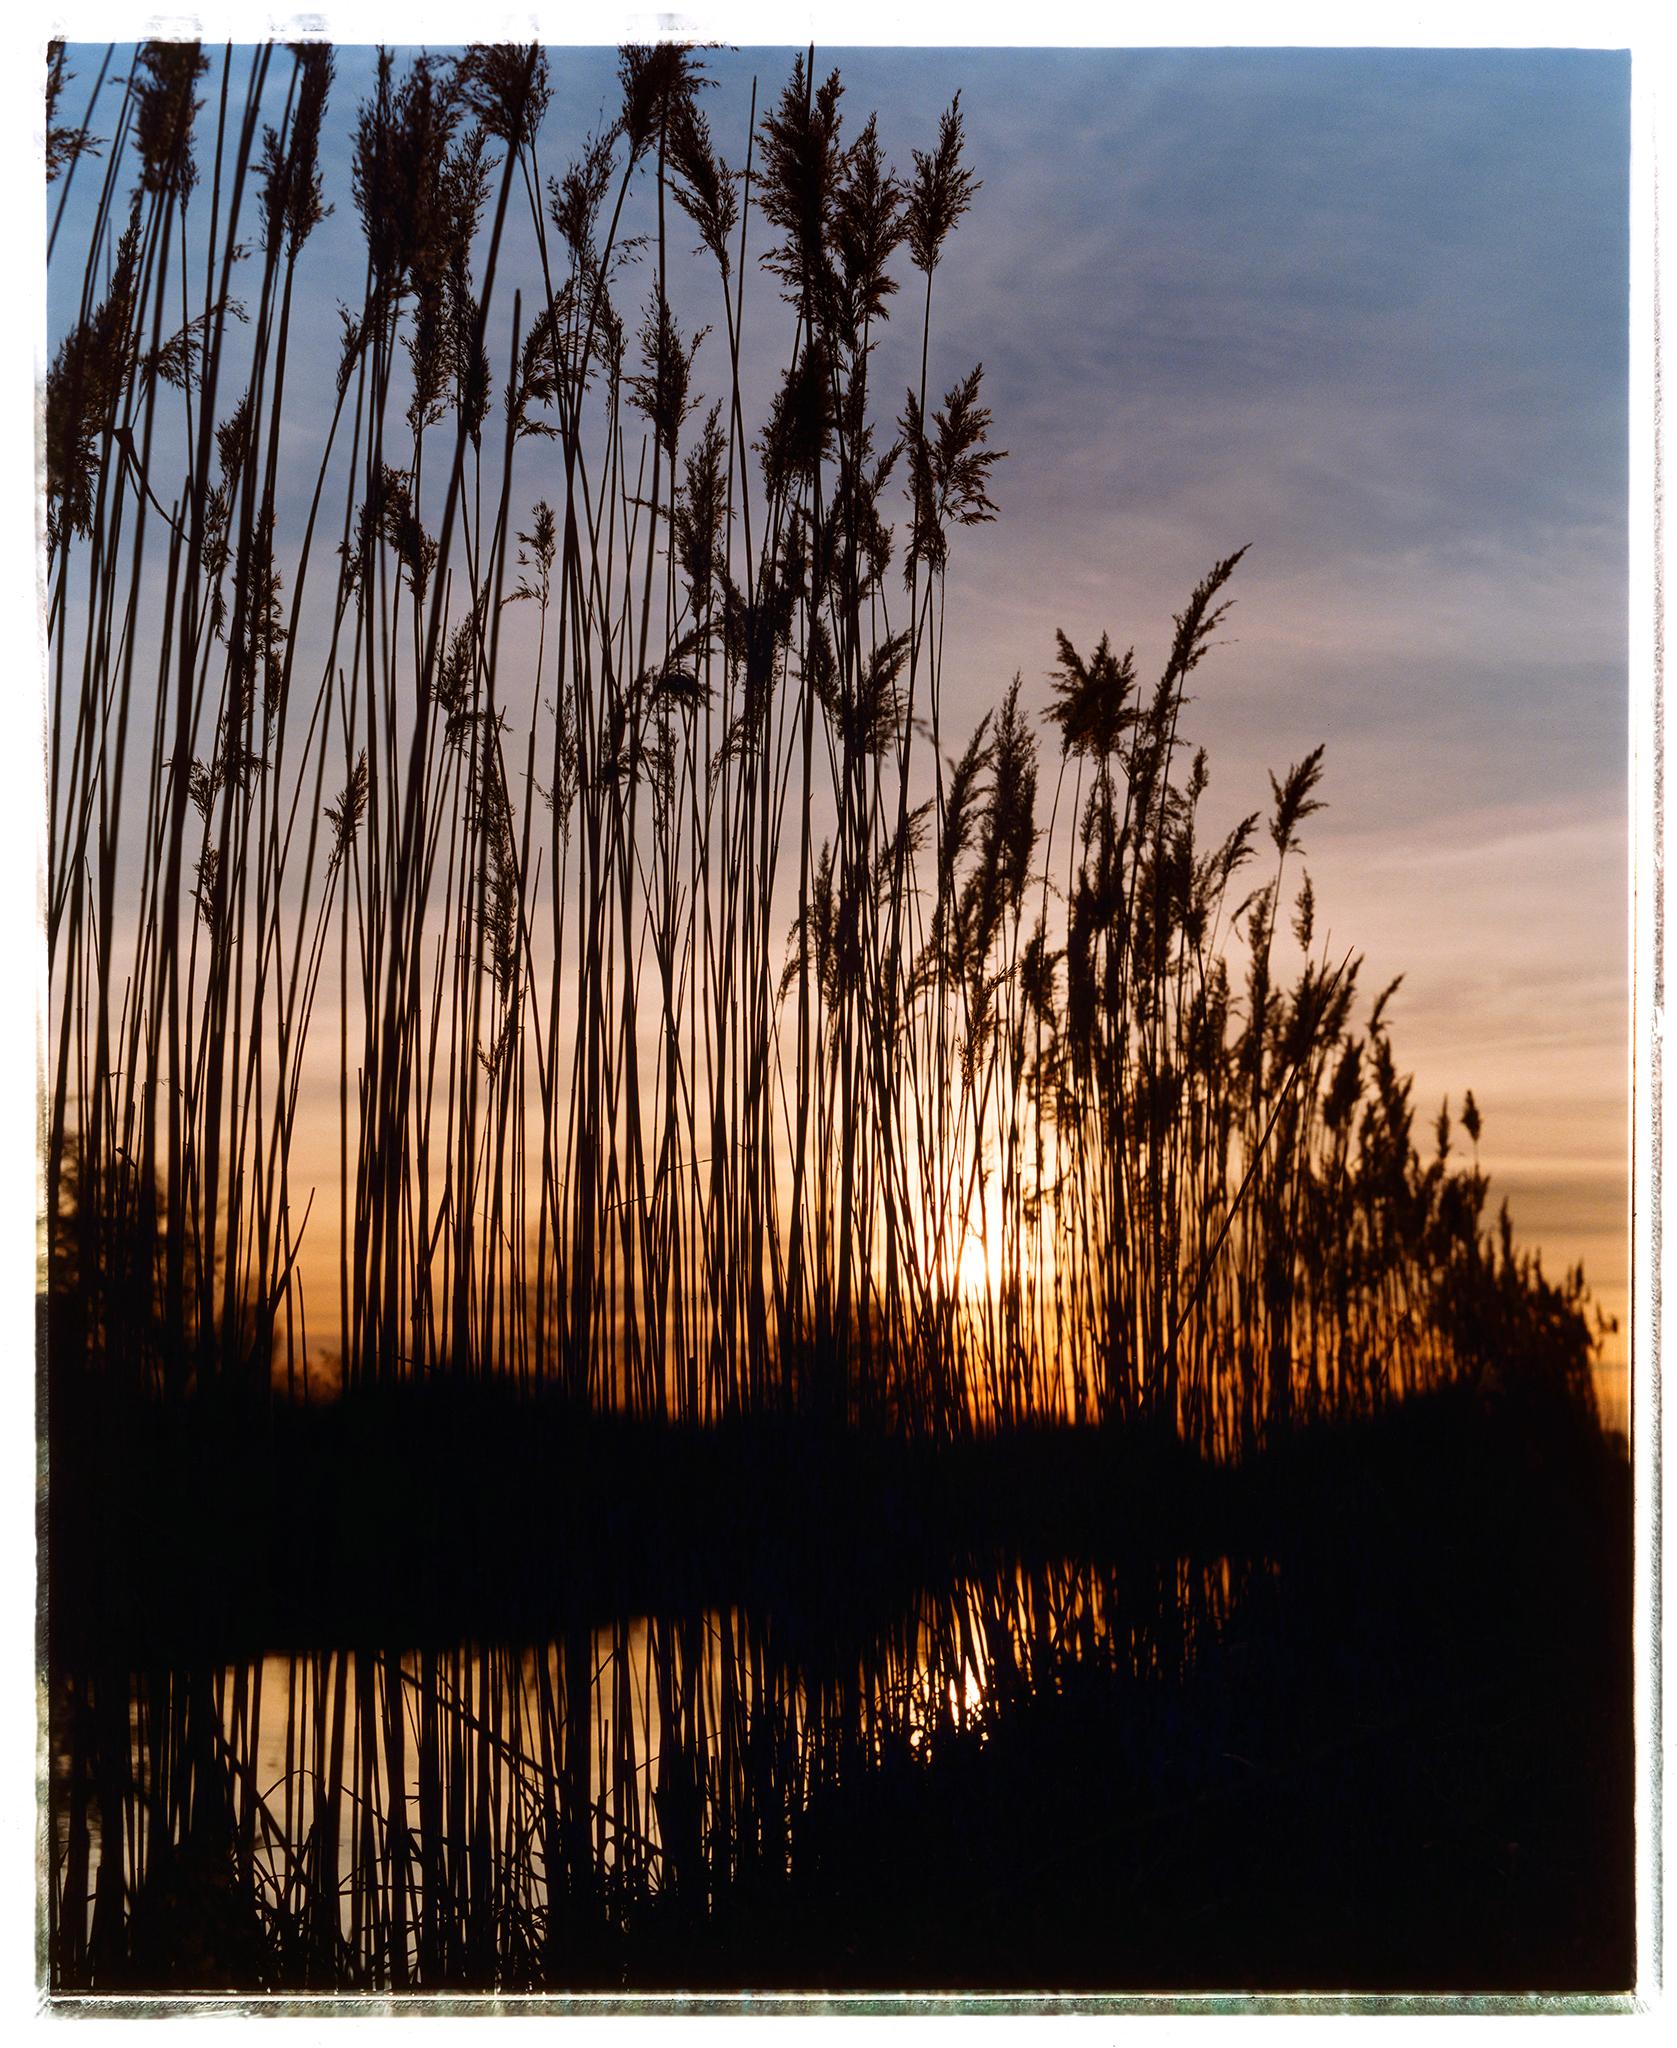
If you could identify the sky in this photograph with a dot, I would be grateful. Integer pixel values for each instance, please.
(1365, 313)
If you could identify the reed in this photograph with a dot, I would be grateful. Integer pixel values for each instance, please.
(522, 755)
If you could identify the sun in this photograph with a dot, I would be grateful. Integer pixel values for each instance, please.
(976, 1266)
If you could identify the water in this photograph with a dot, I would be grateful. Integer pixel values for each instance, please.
(382, 1820)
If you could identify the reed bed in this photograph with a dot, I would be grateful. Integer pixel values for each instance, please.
(515, 912)
(1005, 1128)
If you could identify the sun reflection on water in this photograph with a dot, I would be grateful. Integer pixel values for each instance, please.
(701, 1732)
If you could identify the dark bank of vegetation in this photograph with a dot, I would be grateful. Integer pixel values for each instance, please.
(434, 1519)
(1397, 1757)
(830, 1216)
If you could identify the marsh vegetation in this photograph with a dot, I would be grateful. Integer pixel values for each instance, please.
(569, 1080)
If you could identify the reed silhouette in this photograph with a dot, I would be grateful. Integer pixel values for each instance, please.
(763, 1121)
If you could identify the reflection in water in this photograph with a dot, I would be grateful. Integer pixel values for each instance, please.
(475, 1815)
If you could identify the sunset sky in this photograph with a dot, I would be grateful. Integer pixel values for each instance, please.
(1365, 312)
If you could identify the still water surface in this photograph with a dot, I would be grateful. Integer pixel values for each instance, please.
(385, 1801)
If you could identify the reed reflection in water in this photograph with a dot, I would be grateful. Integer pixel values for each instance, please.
(389, 1821)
